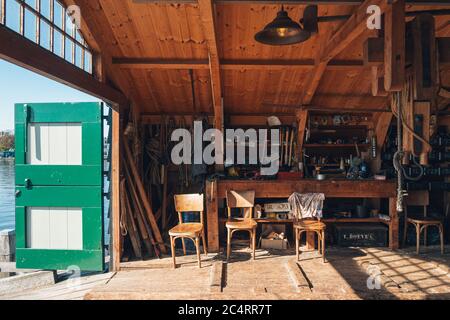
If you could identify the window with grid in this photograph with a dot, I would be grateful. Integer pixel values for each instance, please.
(51, 25)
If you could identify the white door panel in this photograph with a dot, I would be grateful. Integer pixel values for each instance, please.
(54, 144)
(54, 228)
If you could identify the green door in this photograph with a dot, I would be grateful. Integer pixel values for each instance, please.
(59, 186)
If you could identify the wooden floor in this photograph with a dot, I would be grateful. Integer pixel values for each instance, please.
(65, 289)
(402, 275)
(273, 275)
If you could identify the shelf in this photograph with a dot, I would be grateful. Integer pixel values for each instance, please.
(355, 220)
(328, 220)
(343, 145)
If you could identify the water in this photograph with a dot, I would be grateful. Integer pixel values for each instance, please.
(7, 219)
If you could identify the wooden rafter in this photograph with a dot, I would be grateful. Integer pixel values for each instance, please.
(29, 55)
(347, 33)
(242, 64)
(293, 2)
(207, 15)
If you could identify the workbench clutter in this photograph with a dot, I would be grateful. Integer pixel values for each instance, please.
(338, 145)
(246, 144)
(273, 236)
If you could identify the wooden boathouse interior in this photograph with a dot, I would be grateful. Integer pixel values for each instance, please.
(160, 65)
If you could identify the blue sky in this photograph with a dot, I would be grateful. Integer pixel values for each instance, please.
(18, 85)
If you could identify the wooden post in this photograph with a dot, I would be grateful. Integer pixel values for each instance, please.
(115, 197)
(302, 117)
(212, 216)
(98, 67)
(393, 224)
(378, 82)
(394, 46)
(3, 14)
(38, 22)
(21, 19)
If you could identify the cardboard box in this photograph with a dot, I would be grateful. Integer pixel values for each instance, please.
(274, 244)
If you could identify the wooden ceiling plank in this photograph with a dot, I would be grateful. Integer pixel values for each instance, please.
(95, 23)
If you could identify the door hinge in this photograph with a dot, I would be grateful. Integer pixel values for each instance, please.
(26, 117)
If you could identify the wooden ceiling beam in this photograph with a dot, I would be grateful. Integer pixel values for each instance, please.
(29, 55)
(151, 63)
(373, 52)
(177, 64)
(348, 32)
(208, 17)
(293, 2)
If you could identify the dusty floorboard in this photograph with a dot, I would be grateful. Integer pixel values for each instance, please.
(401, 275)
(273, 275)
(73, 289)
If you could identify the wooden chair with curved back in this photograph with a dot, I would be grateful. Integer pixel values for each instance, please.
(421, 198)
(191, 230)
(243, 200)
(309, 225)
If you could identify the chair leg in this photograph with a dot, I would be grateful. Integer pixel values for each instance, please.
(204, 243)
(405, 233)
(441, 235)
(417, 238)
(184, 246)
(319, 240)
(228, 243)
(323, 246)
(172, 248)
(253, 233)
(197, 248)
(425, 233)
(297, 244)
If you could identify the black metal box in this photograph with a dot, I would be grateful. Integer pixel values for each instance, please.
(361, 235)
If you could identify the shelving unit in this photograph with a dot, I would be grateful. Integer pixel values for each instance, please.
(331, 145)
(333, 138)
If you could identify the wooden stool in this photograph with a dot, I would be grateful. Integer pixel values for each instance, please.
(307, 225)
(191, 230)
(242, 200)
(422, 198)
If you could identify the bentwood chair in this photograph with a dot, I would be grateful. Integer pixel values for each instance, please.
(314, 225)
(191, 230)
(244, 200)
(310, 225)
(421, 198)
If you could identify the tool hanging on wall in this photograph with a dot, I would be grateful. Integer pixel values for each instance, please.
(286, 146)
(291, 146)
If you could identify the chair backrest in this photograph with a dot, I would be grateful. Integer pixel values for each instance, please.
(189, 203)
(306, 205)
(418, 199)
(241, 199)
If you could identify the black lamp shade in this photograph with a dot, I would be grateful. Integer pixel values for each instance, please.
(282, 31)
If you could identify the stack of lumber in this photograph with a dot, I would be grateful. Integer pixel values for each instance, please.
(138, 221)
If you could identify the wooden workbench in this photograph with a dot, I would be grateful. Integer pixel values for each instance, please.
(216, 190)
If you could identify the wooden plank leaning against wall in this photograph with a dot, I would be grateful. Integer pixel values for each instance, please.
(115, 197)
